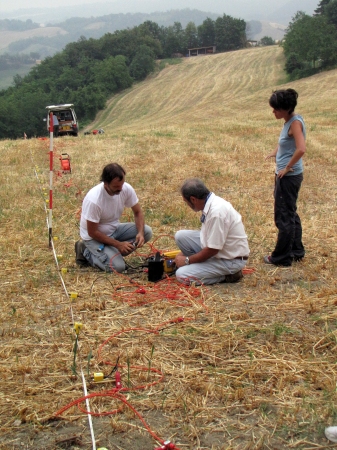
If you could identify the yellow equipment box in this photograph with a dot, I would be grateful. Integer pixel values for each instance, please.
(169, 264)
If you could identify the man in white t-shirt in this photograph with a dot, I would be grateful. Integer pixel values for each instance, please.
(104, 239)
(219, 251)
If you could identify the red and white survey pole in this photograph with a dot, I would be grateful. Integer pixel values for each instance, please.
(50, 221)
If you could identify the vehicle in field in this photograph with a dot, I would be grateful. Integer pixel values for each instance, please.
(65, 113)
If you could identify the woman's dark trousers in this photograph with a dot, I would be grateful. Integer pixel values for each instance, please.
(289, 245)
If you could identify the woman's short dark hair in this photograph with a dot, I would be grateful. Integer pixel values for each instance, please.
(193, 187)
(112, 171)
(285, 99)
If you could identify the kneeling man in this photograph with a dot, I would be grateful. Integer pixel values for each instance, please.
(219, 251)
(104, 239)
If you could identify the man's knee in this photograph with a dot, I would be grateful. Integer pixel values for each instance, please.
(180, 236)
(147, 233)
(116, 266)
(182, 276)
(187, 276)
(114, 262)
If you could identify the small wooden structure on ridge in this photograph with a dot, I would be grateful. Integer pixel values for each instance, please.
(202, 51)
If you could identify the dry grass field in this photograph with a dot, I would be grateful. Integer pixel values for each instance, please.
(233, 366)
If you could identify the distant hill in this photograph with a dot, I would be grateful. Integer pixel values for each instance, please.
(47, 40)
(256, 30)
(51, 38)
(8, 37)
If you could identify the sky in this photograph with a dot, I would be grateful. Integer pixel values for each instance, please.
(5, 5)
(133, 5)
(23, 4)
(244, 9)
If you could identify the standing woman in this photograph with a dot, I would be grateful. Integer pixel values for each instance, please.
(288, 179)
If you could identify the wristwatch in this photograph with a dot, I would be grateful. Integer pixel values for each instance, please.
(187, 260)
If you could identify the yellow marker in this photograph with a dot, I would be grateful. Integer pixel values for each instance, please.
(55, 238)
(59, 256)
(98, 376)
(64, 270)
(78, 327)
(73, 295)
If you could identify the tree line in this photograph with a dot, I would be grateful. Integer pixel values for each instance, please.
(87, 72)
(310, 42)
(17, 25)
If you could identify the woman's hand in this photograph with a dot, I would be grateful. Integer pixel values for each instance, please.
(284, 171)
(272, 154)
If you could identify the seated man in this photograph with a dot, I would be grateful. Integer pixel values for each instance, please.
(104, 239)
(218, 252)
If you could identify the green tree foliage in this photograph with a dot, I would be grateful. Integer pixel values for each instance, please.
(293, 63)
(330, 11)
(127, 42)
(149, 28)
(89, 100)
(142, 63)
(267, 40)
(191, 36)
(320, 7)
(206, 33)
(112, 74)
(230, 33)
(310, 43)
(173, 40)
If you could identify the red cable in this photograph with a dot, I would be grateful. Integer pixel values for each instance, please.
(116, 392)
(158, 292)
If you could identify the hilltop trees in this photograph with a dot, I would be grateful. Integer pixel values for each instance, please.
(206, 33)
(191, 35)
(330, 11)
(320, 8)
(267, 40)
(230, 34)
(311, 41)
(143, 63)
(172, 40)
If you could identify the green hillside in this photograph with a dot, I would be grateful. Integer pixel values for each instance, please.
(239, 366)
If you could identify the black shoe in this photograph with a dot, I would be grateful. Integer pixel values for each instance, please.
(233, 277)
(79, 249)
(297, 258)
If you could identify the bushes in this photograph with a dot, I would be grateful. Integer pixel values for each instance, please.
(310, 44)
